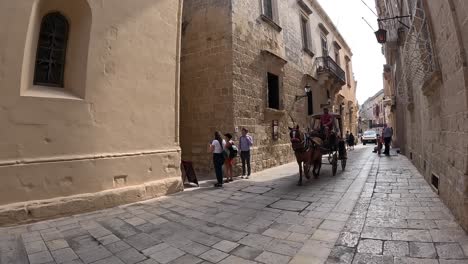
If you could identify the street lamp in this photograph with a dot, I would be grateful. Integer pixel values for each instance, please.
(307, 90)
(381, 35)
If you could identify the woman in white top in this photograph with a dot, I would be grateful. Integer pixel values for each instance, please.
(217, 147)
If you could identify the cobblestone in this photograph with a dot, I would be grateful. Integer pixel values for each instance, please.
(399, 209)
(349, 218)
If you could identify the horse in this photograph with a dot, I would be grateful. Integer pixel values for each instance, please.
(316, 156)
(304, 150)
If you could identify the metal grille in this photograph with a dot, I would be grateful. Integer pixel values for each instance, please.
(418, 61)
(51, 48)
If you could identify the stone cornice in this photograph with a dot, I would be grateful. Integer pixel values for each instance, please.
(326, 19)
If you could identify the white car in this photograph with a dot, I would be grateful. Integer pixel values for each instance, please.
(369, 136)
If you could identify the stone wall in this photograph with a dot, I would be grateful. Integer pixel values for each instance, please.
(113, 125)
(206, 78)
(433, 117)
(246, 51)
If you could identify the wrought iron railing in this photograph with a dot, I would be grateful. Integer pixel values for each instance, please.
(327, 64)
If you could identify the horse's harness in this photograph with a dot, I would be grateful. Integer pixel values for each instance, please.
(303, 145)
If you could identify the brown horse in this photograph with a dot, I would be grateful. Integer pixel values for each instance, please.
(316, 156)
(304, 151)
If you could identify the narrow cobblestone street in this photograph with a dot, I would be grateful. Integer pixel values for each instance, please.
(379, 210)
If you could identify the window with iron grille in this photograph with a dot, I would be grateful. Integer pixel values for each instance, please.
(273, 91)
(268, 9)
(51, 50)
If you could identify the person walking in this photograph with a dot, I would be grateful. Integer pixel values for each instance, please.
(245, 142)
(229, 159)
(216, 147)
(387, 136)
(351, 141)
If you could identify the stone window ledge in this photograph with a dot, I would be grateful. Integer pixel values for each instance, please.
(309, 52)
(271, 22)
(272, 114)
(50, 92)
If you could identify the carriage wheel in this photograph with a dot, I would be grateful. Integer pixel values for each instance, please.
(343, 164)
(334, 164)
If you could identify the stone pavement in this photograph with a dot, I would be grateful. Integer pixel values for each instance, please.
(370, 213)
(399, 219)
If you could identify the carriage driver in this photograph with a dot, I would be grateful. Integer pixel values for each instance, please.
(327, 122)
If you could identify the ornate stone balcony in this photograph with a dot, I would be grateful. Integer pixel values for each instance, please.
(326, 66)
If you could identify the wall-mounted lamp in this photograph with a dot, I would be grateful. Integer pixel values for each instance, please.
(307, 90)
(381, 34)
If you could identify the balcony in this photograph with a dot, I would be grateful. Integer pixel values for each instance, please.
(326, 65)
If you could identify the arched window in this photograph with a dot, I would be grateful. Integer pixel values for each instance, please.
(51, 49)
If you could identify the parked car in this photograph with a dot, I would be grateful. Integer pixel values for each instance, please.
(369, 136)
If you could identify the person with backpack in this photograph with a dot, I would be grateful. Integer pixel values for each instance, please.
(230, 155)
(216, 147)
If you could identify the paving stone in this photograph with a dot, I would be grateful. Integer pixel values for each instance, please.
(325, 235)
(447, 235)
(276, 233)
(57, 244)
(453, 261)
(348, 239)
(257, 241)
(332, 225)
(154, 249)
(141, 241)
(422, 250)
(34, 247)
(64, 255)
(412, 235)
(130, 256)
(91, 254)
(236, 260)
(396, 248)
(167, 255)
(341, 255)
(372, 259)
(406, 260)
(195, 249)
(449, 251)
(225, 246)
(378, 233)
(106, 240)
(214, 255)
(109, 260)
(290, 205)
(135, 221)
(247, 252)
(298, 237)
(117, 246)
(40, 257)
(149, 261)
(272, 258)
(187, 259)
(256, 189)
(370, 246)
(283, 247)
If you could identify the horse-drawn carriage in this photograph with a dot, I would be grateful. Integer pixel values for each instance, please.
(309, 147)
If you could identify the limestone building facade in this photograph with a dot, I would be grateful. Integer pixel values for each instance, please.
(245, 62)
(374, 112)
(428, 70)
(89, 104)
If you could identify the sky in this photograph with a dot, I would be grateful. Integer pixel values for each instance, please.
(367, 57)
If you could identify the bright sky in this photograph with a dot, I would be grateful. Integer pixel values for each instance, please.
(367, 58)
